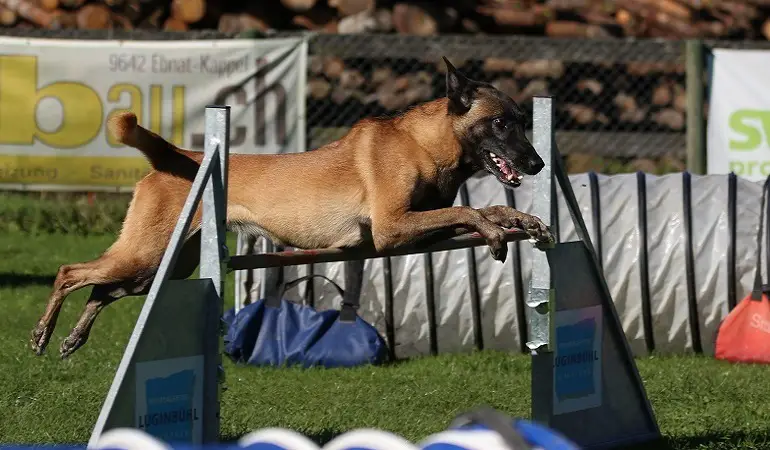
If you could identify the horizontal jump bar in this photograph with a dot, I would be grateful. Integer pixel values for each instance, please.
(297, 257)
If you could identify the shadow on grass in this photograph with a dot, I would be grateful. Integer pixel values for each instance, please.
(13, 279)
(743, 440)
(321, 437)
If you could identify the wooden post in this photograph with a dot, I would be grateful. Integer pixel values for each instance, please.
(696, 123)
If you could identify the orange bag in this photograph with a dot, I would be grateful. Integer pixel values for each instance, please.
(744, 335)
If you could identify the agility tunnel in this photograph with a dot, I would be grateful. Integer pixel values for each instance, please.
(583, 372)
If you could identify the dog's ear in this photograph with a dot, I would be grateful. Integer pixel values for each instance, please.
(459, 89)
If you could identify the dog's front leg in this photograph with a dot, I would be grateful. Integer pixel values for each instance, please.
(507, 217)
(395, 230)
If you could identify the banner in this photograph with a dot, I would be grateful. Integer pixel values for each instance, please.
(739, 114)
(57, 95)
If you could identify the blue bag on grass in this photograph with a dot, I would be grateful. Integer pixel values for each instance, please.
(277, 332)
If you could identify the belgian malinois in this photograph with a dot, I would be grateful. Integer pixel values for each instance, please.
(388, 182)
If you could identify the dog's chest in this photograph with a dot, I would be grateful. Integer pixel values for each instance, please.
(436, 193)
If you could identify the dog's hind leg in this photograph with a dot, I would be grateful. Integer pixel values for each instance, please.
(70, 278)
(103, 295)
(129, 262)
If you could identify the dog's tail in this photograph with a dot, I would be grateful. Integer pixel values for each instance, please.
(163, 155)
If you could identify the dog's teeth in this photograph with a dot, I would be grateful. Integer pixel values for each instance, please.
(492, 155)
(520, 177)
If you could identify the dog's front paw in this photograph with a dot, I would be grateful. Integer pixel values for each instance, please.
(499, 253)
(498, 247)
(503, 216)
(537, 230)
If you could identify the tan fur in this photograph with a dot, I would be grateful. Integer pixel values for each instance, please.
(355, 191)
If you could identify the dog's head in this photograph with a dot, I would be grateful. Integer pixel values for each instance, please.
(490, 127)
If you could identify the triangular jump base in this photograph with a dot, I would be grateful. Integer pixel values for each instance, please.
(585, 382)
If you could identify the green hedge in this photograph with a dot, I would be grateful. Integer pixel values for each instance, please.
(43, 213)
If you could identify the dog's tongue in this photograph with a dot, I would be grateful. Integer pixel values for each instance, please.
(509, 173)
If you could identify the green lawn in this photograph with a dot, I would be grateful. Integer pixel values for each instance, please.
(699, 402)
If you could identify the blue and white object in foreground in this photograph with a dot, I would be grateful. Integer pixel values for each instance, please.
(479, 437)
(483, 429)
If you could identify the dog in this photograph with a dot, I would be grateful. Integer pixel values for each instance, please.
(388, 182)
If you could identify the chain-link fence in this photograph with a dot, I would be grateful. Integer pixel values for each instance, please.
(615, 97)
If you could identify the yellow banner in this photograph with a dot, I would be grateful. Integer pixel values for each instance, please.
(56, 97)
(72, 170)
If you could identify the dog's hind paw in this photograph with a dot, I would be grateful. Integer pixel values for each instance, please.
(39, 339)
(71, 343)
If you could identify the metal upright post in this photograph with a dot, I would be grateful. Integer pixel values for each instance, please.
(540, 288)
(213, 227)
(213, 253)
(541, 293)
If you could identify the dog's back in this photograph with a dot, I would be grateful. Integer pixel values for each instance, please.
(316, 199)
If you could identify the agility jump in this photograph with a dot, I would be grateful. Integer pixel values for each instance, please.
(608, 407)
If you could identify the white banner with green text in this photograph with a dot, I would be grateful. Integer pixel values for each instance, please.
(739, 114)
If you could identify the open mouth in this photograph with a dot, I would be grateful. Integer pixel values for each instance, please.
(506, 173)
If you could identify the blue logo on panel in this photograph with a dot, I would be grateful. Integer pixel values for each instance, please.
(575, 359)
(170, 412)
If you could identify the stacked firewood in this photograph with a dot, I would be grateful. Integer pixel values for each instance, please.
(174, 15)
(740, 19)
(636, 97)
(745, 19)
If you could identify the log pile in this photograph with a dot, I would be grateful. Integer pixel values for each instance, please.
(638, 97)
(736, 19)
(174, 15)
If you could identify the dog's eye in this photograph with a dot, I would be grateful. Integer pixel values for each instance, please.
(499, 123)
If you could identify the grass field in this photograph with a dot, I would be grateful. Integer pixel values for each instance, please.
(699, 402)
